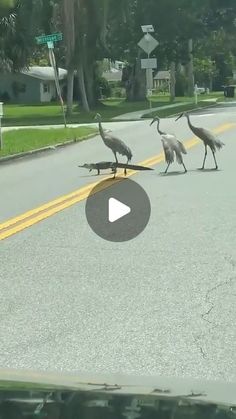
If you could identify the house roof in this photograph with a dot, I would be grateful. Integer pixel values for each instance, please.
(162, 75)
(44, 73)
(113, 75)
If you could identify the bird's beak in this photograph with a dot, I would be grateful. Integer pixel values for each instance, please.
(180, 116)
(152, 122)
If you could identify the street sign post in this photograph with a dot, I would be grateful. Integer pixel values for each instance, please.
(1, 115)
(49, 40)
(196, 94)
(148, 43)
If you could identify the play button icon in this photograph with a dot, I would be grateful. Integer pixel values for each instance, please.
(118, 210)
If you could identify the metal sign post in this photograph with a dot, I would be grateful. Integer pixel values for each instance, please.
(49, 40)
(148, 44)
(196, 94)
(1, 115)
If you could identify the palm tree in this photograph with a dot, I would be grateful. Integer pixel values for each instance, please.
(18, 28)
(7, 27)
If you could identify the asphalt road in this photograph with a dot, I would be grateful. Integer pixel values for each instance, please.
(161, 304)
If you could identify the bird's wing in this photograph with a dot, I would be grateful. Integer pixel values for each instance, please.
(112, 139)
(169, 153)
(212, 140)
(218, 143)
(118, 146)
(181, 147)
(207, 134)
(169, 137)
(108, 139)
(174, 143)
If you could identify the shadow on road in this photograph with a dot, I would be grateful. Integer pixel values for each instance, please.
(95, 175)
(163, 174)
(207, 170)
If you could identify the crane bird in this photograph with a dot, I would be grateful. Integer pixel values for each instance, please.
(171, 146)
(114, 143)
(208, 138)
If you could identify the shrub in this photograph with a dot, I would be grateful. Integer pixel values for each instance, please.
(102, 87)
(5, 97)
(118, 92)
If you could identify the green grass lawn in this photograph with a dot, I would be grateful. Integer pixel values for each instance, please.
(50, 114)
(18, 141)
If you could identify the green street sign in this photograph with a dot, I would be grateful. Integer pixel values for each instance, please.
(44, 39)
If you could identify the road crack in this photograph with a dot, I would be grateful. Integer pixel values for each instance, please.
(197, 342)
(224, 283)
(212, 306)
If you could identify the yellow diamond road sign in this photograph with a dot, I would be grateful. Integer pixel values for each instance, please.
(148, 43)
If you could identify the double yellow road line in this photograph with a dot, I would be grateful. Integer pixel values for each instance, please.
(29, 218)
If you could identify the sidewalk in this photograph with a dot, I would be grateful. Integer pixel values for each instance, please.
(138, 114)
(108, 126)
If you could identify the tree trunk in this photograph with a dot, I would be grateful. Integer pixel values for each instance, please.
(189, 68)
(70, 90)
(84, 100)
(135, 82)
(211, 83)
(89, 81)
(172, 81)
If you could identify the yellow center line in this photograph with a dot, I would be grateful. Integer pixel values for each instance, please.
(29, 218)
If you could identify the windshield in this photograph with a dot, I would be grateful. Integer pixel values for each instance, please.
(86, 400)
(117, 188)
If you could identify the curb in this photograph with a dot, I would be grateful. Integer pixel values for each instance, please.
(44, 149)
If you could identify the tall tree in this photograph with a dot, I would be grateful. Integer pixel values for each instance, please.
(68, 13)
(7, 28)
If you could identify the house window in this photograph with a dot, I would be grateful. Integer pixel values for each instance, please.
(22, 88)
(18, 88)
(45, 88)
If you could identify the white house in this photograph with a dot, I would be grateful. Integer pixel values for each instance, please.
(33, 85)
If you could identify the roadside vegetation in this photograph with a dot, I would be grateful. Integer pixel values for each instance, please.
(22, 140)
(50, 114)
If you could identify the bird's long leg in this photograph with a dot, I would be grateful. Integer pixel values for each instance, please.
(167, 168)
(185, 170)
(215, 159)
(98, 173)
(114, 172)
(203, 164)
(125, 171)
(115, 156)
